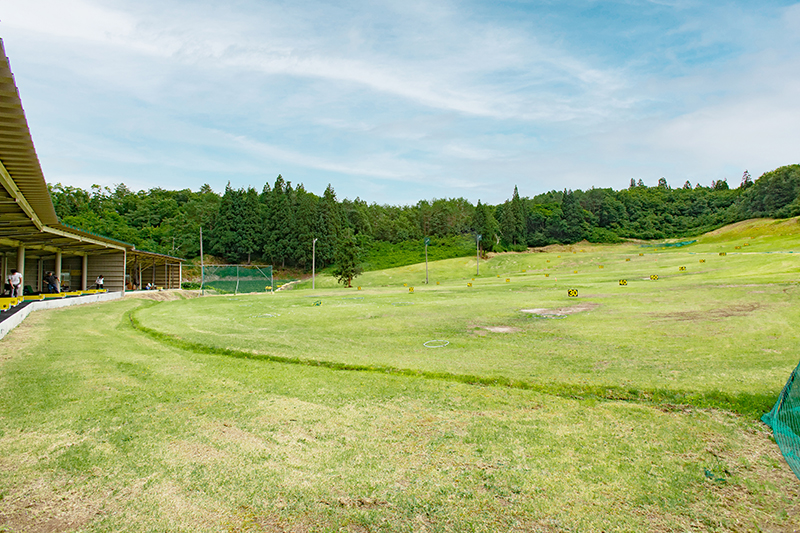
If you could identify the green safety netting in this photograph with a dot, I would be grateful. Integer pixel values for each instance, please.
(784, 419)
(237, 278)
(668, 244)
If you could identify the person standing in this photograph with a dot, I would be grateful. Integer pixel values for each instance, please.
(99, 282)
(52, 282)
(15, 280)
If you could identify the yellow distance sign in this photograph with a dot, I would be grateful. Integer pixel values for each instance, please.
(623, 282)
(682, 269)
(723, 253)
(411, 289)
(547, 275)
(572, 293)
(702, 260)
(654, 277)
(469, 284)
(508, 280)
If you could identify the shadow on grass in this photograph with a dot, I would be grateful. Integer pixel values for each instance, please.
(749, 405)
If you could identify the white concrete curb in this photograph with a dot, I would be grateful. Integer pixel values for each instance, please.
(16, 319)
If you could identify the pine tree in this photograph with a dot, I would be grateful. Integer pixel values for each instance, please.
(226, 239)
(250, 239)
(518, 207)
(348, 259)
(305, 216)
(328, 226)
(576, 226)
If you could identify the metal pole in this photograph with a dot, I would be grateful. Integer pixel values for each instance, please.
(478, 256)
(202, 269)
(313, 264)
(426, 262)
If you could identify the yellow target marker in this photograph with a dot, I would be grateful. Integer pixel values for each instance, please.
(653, 277)
(405, 284)
(498, 275)
(574, 271)
(547, 275)
(623, 282)
(469, 284)
(737, 247)
(437, 282)
(473, 279)
(601, 266)
(359, 288)
(682, 269)
(640, 255)
(572, 293)
(524, 270)
(723, 253)
(508, 280)
(747, 243)
(702, 260)
(411, 289)
(549, 260)
(627, 259)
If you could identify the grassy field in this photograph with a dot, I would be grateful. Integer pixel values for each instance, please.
(636, 411)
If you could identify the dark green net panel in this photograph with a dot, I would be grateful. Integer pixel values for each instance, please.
(238, 278)
(784, 419)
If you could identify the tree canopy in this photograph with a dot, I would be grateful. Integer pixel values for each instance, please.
(278, 224)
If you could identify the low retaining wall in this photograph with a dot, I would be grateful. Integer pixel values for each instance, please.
(17, 318)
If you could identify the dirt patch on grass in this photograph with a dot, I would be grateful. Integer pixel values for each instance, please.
(711, 314)
(502, 329)
(46, 507)
(571, 310)
(195, 452)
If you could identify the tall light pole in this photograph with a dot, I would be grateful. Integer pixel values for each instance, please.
(314, 264)
(427, 242)
(478, 255)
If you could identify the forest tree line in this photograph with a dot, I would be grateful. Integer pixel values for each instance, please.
(278, 224)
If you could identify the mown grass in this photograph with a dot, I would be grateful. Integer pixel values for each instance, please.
(720, 333)
(114, 431)
(185, 416)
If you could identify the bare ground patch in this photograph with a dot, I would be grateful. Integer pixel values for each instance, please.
(47, 507)
(714, 314)
(579, 308)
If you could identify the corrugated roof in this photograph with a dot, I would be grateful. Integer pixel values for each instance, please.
(16, 147)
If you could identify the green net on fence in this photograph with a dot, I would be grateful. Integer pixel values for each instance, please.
(667, 244)
(784, 419)
(233, 279)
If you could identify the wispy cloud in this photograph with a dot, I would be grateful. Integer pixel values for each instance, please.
(414, 98)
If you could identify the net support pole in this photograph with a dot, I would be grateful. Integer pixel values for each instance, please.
(202, 267)
(313, 264)
(426, 261)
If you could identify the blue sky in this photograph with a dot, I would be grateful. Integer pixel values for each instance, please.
(394, 102)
